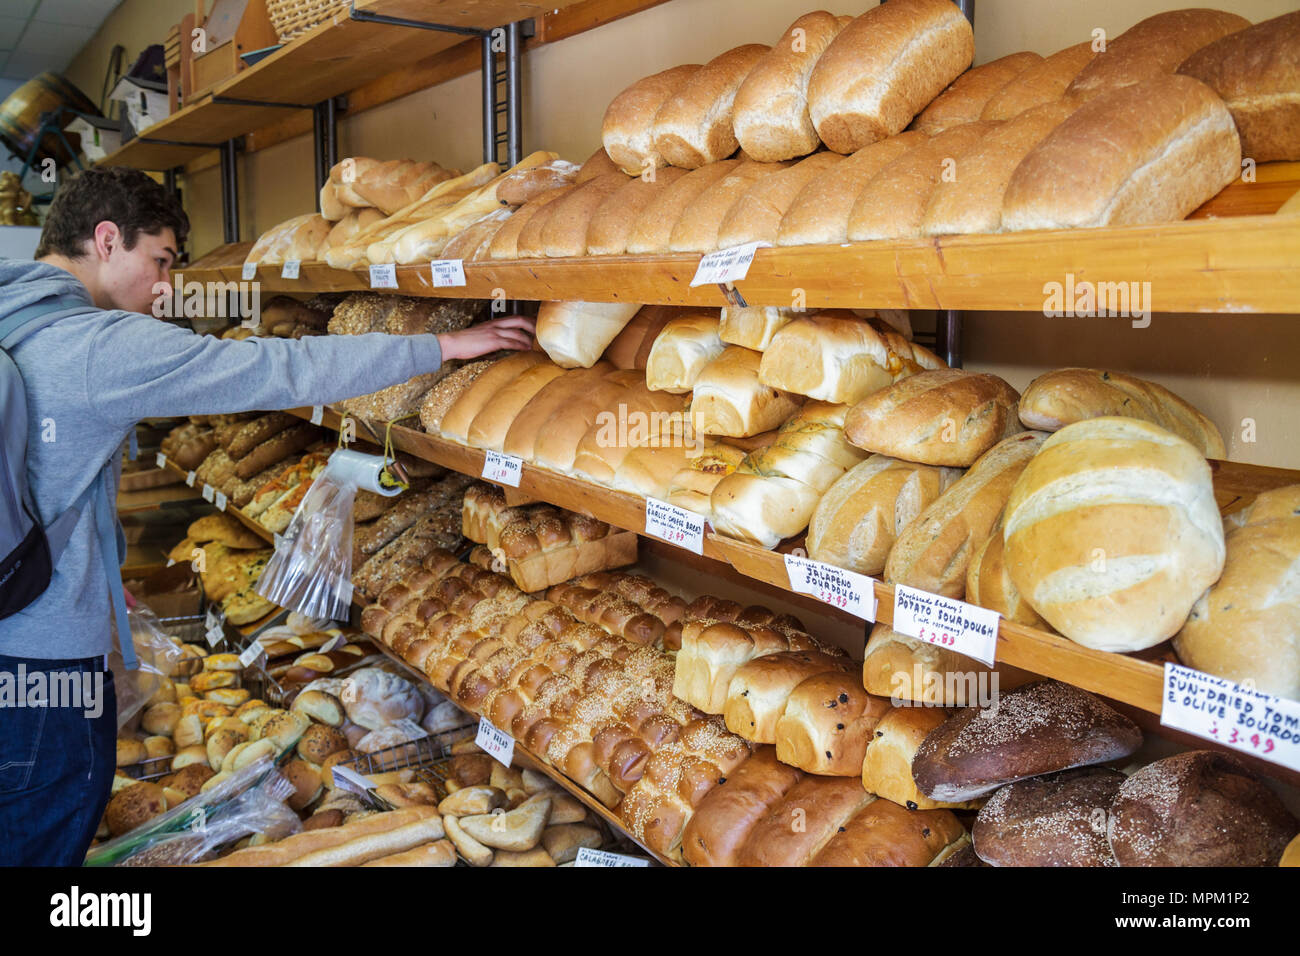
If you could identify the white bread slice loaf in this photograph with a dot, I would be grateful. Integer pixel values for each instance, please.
(730, 400)
(1112, 533)
(694, 125)
(756, 215)
(884, 68)
(1146, 153)
(577, 333)
(771, 110)
(753, 327)
(681, 351)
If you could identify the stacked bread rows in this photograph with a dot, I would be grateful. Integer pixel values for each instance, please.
(286, 318)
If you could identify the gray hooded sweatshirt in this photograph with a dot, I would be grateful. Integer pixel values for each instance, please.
(89, 377)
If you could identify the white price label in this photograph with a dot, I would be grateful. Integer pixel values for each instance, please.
(317, 414)
(1239, 717)
(249, 272)
(447, 273)
(383, 276)
(252, 653)
(497, 743)
(221, 501)
(214, 618)
(209, 493)
(349, 779)
(290, 269)
(846, 590)
(189, 479)
(214, 635)
(503, 469)
(947, 622)
(726, 265)
(674, 525)
(160, 460)
(589, 857)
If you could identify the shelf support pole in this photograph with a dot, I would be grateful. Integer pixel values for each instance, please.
(229, 192)
(324, 129)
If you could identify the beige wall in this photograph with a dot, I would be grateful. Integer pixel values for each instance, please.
(1234, 367)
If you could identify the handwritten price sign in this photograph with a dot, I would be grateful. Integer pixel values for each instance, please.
(846, 590)
(383, 276)
(589, 857)
(497, 743)
(447, 272)
(674, 525)
(1238, 717)
(726, 265)
(503, 469)
(947, 622)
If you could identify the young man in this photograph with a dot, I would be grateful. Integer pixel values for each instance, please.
(89, 376)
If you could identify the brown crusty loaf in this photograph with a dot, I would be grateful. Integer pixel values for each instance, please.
(565, 231)
(251, 434)
(1054, 820)
(972, 201)
(820, 212)
(521, 437)
(1035, 729)
(697, 228)
(965, 99)
(694, 126)
(885, 834)
(934, 552)
(1153, 46)
(1257, 72)
(628, 127)
(727, 815)
(505, 243)
(631, 348)
(286, 443)
(1199, 808)
(1071, 395)
(652, 232)
(597, 164)
(1150, 152)
(612, 222)
(884, 68)
(489, 426)
(1042, 83)
(771, 111)
(456, 422)
(756, 215)
(441, 397)
(937, 417)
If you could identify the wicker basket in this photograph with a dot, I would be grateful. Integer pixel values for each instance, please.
(293, 18)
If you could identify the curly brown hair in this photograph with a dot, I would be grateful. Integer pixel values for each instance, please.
(126, 197)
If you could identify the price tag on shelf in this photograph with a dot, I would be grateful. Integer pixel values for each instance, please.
(447, 273)
(290, 268)
(214, 618)
(160, 460)
(674, 525)
(947, 622)
(589, 857)
(1231, 714)
(503, 469)
(189, 479)
(726, 265)
(221, 501)
(252, 654)
(209, 493)
(317, 414)
(497, 743)
(383, 276)
(214, 635)
(249, 271)
(838, 587)
(349, 779)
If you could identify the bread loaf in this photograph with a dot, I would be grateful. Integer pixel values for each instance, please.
(831, 356)
(489, 426)
(692, 486)
(576, 333)
(759, 690)
(597, 164)
(565, 231)
(771, 118)
(884, 834)
(989, 585)
(797, 827)
(887, 766)
(505, 244)
(730, 400)
(395, 184)
(653, 229)
(905, 669)
(965, 99)
(1071, 395)
(697, 228)
(884, 68)
(827, 723)
(971, 201)
(753, 327)
(724, 819)
(628, 127)
(934, 552)
(1040, 84)
(694, 126)
(938, 417)
(522, 185)
(557, 444)
(1257, 73)
(712, 651)
(1054, 820)
(1151, 47)
(859, 517)
(1150, 152)
(820, 212)
(456, 422)
(648, 471)
(1112, 533)
(1247, 625)
(521, 436)
(756, 215)
(640, 417)
(481, 233)
(631, 347)
(681, 351)
(613, 221)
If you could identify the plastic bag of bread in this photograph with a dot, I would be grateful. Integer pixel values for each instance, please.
(374, 698)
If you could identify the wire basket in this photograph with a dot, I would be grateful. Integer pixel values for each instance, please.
(293, 18)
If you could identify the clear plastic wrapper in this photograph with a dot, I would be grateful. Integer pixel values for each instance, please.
(158, 655)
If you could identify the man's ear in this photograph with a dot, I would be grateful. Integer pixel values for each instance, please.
(106, 238)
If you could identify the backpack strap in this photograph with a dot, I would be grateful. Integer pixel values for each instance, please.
(30, 319)
(112, 546)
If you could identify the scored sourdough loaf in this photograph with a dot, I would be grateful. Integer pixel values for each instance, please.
(756, 215)
(577, 333)
(820, 211)
(612, 222)
(728, 813)
(972, 202)
(1146, 153)
(628, 127)
(937, 417)
(965, 99)
(989, 585)
(859, 517)
(694, 126)
(827, 723)
(934, 551)
(771, 118)
(1247, 625)
(653, 229)
(884, 68)
(697, 229)
(1051, 820)
(681, 351)
(1153, 46)
(887, 766)
(759, 690)
(730, 400)
(1112, 533)
(1257, 72)
(1070, 395)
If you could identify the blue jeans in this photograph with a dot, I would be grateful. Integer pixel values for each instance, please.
(58, 752)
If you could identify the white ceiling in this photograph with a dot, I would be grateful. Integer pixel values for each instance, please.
(40, 35)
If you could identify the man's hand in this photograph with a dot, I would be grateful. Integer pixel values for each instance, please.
(513, 332)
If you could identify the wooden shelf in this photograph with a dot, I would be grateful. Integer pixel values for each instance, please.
(237, 514)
